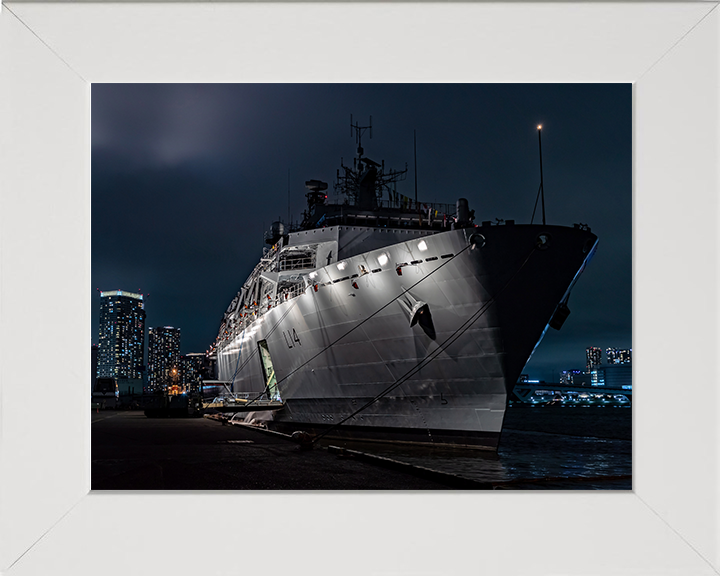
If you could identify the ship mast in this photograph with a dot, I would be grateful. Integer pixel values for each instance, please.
(363, 183)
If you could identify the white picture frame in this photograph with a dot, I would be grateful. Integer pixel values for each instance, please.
(50, 523)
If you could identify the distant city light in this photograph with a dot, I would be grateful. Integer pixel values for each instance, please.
(106, 293)
(593, 357)
(619, 355)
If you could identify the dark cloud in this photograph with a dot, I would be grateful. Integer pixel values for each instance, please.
(184, 177)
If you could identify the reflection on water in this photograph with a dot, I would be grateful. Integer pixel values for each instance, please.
(553, 447)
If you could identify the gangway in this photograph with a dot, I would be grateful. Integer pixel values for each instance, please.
(234, 404)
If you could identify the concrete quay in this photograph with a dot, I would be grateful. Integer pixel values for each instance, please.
(133, 452)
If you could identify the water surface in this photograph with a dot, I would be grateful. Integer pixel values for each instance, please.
(541, 448)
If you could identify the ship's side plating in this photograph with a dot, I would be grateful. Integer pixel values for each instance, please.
(341, 315)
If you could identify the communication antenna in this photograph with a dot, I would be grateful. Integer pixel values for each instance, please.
(349, 179)
(358, 132)
(415, 162)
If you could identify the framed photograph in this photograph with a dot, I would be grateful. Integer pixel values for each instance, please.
(51, 53)
(363, 308)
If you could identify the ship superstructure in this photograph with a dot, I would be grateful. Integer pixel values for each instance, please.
(399, 320)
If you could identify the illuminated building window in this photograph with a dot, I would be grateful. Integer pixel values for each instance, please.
(163, 348)
(594, 358)
(117, 356)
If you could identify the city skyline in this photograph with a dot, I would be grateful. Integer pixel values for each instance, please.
(204, 170)
(190, 364)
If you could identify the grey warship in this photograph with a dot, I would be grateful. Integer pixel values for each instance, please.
(383, 318)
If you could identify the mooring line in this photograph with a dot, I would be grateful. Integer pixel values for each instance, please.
(434, 354)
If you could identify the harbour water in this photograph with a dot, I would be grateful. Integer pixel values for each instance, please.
(541, 448)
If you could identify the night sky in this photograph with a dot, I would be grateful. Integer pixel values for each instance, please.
(186, 177)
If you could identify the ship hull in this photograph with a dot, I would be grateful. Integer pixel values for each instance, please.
(411, 344)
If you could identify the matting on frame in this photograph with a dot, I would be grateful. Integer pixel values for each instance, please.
(49, 53)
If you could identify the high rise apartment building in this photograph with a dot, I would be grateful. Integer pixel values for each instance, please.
(121, 342)
(619, 356)
(192, 367)
(593, 356)
(570, 377)
(164, 364)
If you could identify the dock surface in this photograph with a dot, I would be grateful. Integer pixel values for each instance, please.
(133, 452)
